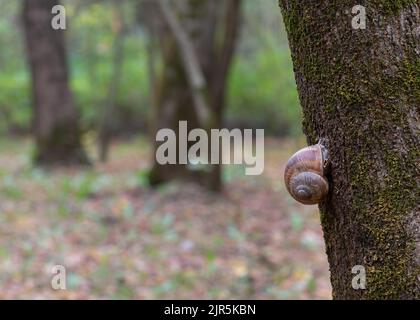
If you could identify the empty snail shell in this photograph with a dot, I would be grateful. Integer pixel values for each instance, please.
(305, 174)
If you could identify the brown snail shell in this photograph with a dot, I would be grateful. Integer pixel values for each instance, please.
(305, 175)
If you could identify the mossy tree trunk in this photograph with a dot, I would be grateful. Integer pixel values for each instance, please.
(212, 26)
(55, 118)
(360, 90)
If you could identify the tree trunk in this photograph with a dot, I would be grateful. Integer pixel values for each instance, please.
(360, 90)
(212, 27)
(55, 121)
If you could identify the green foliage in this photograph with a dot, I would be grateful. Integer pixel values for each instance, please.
(142, 177)
(92, 70)
(15, 110)
(9, 189)
(263, 91)
(14, 101)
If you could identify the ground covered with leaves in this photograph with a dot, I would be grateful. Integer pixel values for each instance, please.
(119, 239)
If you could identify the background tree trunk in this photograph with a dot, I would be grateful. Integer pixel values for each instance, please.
(212, 26)
(360, 90)
(55, 121)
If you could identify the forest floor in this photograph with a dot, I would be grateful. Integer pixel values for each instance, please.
(119, 239)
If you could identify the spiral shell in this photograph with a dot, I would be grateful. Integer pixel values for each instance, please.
(305, 175)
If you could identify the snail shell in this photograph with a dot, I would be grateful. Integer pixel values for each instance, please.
(305, 175)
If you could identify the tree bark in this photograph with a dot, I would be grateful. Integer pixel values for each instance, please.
(177, 96)
(55, 118)
(360, 90)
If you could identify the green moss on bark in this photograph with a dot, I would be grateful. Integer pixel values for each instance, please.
(391, 7)
(358, 96)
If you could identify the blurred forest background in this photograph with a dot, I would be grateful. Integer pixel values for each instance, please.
(119, 231)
